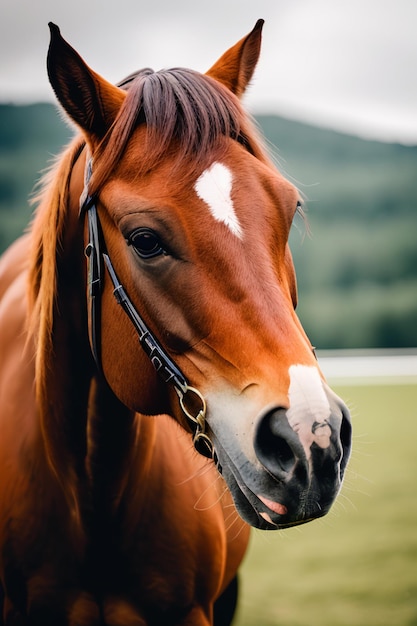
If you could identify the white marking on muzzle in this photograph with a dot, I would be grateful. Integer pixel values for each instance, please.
(309, 407)
(214, 187)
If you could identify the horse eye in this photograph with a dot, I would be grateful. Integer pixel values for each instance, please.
(146, 243)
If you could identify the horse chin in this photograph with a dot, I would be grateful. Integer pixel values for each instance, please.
(259, 515)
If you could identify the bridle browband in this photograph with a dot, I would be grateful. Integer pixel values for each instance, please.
(96, 252)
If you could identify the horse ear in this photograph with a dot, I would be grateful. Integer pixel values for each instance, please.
(90, 101)
(236, 66)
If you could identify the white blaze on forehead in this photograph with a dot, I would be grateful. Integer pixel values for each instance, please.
(214, 187)
(309, 406)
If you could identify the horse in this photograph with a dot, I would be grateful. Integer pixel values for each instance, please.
(159, 396)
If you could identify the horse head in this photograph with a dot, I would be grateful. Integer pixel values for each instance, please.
(194, 222)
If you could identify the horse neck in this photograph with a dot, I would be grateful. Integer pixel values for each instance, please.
(112, 431)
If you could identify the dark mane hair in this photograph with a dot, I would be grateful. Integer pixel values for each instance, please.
(176, 105)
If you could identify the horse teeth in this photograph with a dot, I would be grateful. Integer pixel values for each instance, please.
(267, 518)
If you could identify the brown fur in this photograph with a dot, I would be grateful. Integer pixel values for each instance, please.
(108, 516)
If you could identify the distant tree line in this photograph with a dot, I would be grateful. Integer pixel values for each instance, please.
(357, 271)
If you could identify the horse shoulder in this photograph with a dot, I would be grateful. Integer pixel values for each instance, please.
(17, 362)
(29, 495)
(17, 352)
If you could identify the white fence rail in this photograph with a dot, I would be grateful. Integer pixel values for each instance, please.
(369, 366)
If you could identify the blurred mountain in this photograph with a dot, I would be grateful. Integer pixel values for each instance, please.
(30, 137)
(356, 252)
(357, 271)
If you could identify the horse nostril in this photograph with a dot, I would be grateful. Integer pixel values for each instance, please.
(279, 446)
(276, 445)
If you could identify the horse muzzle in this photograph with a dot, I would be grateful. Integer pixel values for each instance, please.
(297, 466)
(304, 470)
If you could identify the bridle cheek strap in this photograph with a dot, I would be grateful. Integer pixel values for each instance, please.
(170, 373)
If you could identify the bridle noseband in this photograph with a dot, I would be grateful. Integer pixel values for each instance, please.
(170, 373)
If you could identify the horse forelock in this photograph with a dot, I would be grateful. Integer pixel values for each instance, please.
(177, 106)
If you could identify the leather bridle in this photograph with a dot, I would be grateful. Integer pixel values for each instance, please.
(96, 253)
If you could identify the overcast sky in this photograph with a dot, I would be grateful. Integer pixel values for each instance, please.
(346, 64)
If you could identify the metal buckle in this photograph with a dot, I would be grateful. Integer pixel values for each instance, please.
(201, 440)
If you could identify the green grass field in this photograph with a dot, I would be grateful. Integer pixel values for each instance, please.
(358, 565)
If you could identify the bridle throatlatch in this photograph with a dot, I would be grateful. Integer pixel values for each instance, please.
(170, 373)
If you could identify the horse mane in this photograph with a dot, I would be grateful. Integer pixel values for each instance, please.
(178, 106)
(46, 235)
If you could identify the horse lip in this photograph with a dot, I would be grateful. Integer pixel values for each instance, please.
(261, 505)
(265, 521)
(245, 500)
(258, 511)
